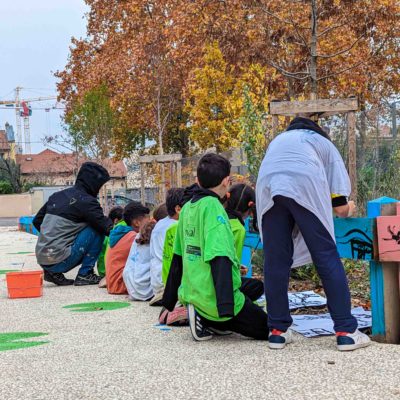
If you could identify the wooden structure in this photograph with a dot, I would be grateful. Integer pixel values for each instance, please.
(175, 163)
(323, 108)
(384, 277)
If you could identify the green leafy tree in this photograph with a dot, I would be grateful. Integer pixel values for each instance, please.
(5, 187)
(10, 176)
(213, 107)
(91, 123)
(253, 135)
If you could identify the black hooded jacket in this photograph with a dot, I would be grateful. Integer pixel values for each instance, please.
(68, 212)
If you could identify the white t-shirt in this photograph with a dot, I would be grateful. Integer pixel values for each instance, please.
(308, 168)
(156, 252)
(136, 273)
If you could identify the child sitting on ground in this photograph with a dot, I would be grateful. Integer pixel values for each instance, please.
(179, 315)
(205, 270)
(174, 203)
(168, 250)
(136, 273)
(121, 239)
(115, 215)
(239, 206)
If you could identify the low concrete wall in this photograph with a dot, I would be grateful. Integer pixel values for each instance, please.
(15, 205)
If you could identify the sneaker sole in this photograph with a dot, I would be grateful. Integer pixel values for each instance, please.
(85, 283)
(220, 333)
(277, 346)
(192, 322)
(352, 347)
(59, 284)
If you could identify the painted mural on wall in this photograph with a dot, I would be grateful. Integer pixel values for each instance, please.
(389, 238)
(354, 237)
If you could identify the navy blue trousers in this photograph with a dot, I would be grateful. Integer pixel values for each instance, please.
(85, 250)
(277, 228)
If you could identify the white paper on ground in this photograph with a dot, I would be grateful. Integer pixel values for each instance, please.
(322, 324)
(300, 299)
(305, 299)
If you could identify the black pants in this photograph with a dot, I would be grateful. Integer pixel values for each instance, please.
(252, 288)
(277, 228)
(252, 320)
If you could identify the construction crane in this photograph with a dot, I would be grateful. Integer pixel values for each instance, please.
(24, 111)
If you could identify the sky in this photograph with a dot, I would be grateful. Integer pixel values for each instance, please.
(34, 43)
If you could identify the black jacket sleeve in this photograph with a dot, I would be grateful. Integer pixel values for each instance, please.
(92, 213)
(39, 217)
(221, 270)
(174, 279)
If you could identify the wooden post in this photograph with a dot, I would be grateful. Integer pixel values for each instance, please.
(161, 159)
(105, 196)
(142, 183)
(351, 135)
(275, 125)
(172, 174)
(179, 174)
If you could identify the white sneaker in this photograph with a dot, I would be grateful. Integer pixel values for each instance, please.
(278, 339)
(352, 341)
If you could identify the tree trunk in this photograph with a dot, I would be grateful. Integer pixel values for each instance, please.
(313, 51)
(363, 133)
(160, 144)
(351, 131)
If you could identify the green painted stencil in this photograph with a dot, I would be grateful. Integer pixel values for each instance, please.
(100, 306)
(4, 271)
(14, 340)
(21, 252)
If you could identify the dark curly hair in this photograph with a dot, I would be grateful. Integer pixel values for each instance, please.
(133, 210)
(116, 213)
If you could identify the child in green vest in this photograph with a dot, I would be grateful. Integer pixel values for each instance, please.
(116, 216)
(205, 270)
(240, 204)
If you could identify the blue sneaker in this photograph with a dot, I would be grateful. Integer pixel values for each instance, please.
(352, 341)
(278, 339)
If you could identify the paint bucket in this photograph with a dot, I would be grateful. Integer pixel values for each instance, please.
(24, 284)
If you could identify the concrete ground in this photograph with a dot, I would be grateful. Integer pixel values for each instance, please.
(121, 354)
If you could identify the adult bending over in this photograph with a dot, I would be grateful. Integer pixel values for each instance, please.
(301, 178)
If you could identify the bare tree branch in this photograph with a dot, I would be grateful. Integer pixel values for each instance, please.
(294, 75)
(298, 31)
(341, 71)
(277, 17)
(326, 56)
(382, 45)
(331, 28)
